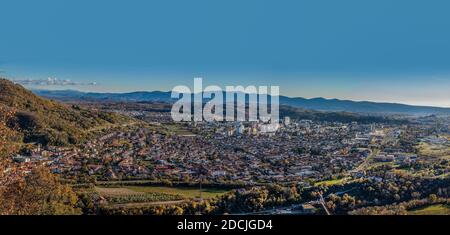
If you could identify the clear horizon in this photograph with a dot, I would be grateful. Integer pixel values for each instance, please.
(80, 89)
(383, 51)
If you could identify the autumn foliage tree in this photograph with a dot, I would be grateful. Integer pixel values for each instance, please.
(5, 135)
(39, 193)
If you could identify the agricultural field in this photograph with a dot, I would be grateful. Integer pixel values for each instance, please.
(124, 197)
(439, 209)
(332, 182)
(434, 150)
(116, 191)
(178, 130)
(185, 192)
(137, 196)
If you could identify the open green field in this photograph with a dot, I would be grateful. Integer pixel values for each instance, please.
(331, 182)
(177, 129)
(116, 191)
(143, 196)
(434, 150)
(185, 192)
(182, 191)
(439, 209)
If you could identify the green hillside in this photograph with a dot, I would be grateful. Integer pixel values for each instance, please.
(49, 122)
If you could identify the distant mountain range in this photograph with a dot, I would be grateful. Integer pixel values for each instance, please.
(319, 104)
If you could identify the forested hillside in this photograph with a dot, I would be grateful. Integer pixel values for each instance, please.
(48, 122)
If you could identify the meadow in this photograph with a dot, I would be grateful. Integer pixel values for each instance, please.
(186, 192)
(439, 209)
(135, 196)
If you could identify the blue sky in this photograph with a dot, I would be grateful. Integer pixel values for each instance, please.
(379, 50)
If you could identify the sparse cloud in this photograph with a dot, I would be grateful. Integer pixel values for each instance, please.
(52, 82)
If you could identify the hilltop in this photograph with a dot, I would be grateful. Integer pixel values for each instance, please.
(46, 121)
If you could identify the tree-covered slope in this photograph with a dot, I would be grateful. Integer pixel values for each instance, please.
(46, 121)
